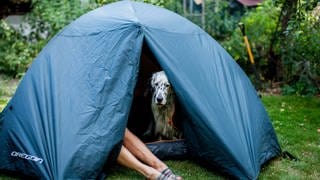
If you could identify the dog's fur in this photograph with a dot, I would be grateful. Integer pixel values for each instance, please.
(163, 107)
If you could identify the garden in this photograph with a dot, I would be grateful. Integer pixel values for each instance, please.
(284, 36)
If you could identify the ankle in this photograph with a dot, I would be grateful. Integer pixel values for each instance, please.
(152, 174)
(159, 166)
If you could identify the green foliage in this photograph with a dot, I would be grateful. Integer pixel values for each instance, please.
(154, 2)
(297, 48)
(16, 51)
(7, 88)
(301, 54)
(102, 2)
(260, 25)
(220, 23)
(51, 16)
(46, 19)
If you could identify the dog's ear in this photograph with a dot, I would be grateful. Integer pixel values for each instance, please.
(152, 80)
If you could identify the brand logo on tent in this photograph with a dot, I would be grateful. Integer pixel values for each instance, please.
(26, 156)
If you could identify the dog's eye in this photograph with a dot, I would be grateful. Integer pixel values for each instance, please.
(167, 85)
(156, 84)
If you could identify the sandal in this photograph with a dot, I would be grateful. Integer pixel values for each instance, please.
(167, 174)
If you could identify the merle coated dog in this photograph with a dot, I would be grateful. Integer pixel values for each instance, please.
(163, 108)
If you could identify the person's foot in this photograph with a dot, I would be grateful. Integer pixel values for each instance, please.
(167, 174)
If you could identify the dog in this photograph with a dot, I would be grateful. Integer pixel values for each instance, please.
(163, 108)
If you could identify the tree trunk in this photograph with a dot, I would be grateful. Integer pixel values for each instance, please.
(288, 12)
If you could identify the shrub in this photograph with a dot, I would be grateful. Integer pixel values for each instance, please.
(297, 48)
(16, 51)
(46, 19)
(301, 56)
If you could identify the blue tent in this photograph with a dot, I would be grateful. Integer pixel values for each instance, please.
(68, 115)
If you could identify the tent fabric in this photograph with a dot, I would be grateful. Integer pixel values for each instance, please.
(70, 110)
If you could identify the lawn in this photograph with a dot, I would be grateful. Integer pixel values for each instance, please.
(296, 121)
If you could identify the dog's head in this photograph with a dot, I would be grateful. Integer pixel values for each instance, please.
(161, 88)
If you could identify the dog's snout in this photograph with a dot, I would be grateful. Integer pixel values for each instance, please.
(159, 99)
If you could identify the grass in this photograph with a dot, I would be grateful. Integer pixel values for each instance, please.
(7, 88)
(186, 169)
(297, 124)
(295, 119)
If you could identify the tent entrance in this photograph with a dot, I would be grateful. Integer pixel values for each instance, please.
(140, 114)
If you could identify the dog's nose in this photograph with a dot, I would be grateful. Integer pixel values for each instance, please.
(159, 99)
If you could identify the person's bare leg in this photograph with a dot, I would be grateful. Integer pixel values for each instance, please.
(125, 158)
(140, 150)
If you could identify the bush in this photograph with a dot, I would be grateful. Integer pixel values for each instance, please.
(260, 24)
(46, 19)
(16, 51)
(297, 50)
(301, 56)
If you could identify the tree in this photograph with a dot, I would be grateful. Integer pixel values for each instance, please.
(287, 14)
